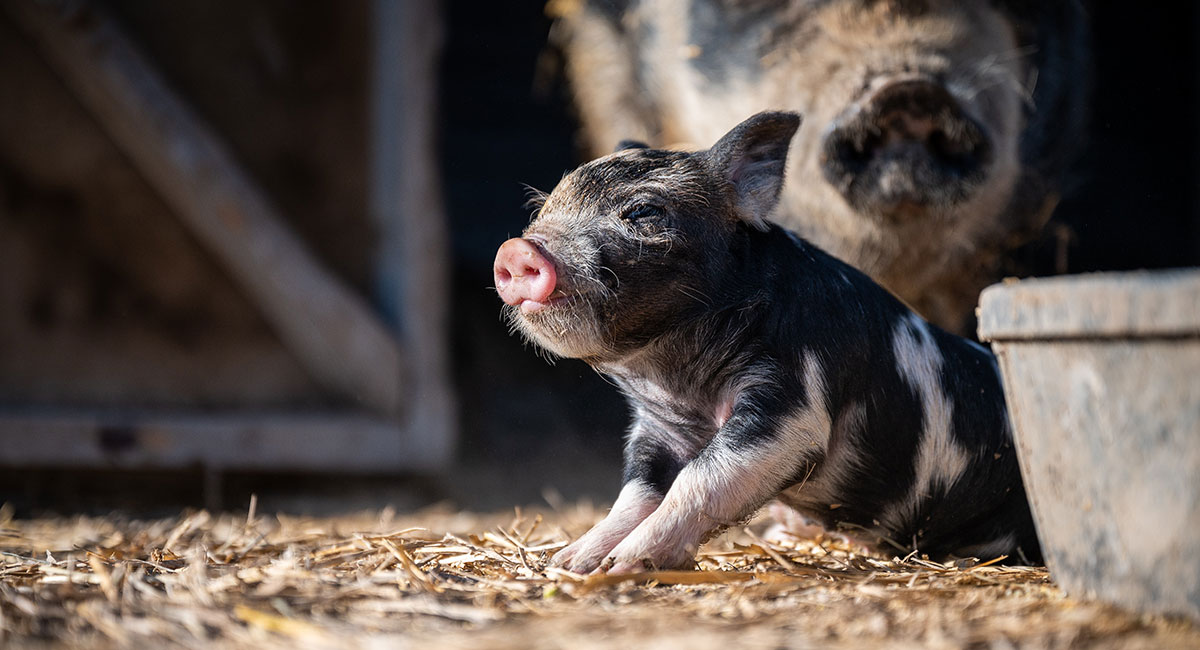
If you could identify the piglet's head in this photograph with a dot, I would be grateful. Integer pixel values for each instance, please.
(631, 245)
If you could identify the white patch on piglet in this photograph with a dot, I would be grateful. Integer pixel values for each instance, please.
(939, 458)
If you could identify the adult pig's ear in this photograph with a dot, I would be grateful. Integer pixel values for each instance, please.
(630, 144)
(752, 158)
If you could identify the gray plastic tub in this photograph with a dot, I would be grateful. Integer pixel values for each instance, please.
(1102, 377)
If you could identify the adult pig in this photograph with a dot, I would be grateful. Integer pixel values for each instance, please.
(757, 366)
(936, 136)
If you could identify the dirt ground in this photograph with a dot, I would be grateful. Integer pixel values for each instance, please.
(443, 578)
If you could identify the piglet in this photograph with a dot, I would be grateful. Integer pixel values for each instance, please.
(757, 366)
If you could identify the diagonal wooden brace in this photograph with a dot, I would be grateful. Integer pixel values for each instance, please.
(330, 328)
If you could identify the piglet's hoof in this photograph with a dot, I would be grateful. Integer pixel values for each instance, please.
(625, 567)
(564, 556)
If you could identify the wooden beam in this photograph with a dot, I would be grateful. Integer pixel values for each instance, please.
(236, 441)
(412, 273)
(326, 325)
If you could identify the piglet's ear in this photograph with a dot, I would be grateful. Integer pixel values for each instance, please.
(752, 158)
(630, 144)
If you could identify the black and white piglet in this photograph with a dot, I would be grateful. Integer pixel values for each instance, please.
(757, 366)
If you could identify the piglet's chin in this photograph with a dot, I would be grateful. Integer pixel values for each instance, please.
(532, 306)
(566, 340)
(565, 348)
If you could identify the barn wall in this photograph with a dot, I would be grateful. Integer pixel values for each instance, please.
(105, 298)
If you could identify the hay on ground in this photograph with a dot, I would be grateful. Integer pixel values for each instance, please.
(445, 579)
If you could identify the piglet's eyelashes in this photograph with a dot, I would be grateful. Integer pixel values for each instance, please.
(641, 212)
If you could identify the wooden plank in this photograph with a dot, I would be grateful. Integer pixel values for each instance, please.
(331, 330)
(233, 441)
(405, 201)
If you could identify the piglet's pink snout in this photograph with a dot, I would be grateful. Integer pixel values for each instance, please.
(524, 275)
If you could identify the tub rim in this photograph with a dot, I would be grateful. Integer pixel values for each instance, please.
(1105, 305)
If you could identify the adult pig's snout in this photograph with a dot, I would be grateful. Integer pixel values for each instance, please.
(909, 143)
(524, 275)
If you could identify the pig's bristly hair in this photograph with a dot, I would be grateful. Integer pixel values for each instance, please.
(534, 198)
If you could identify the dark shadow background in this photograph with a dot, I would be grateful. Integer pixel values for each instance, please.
(1134, 203)
(506, 123)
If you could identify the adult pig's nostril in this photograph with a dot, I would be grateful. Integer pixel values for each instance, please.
(524, 274)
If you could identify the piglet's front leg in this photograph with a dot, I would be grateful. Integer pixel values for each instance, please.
(650, 466)
(729, 480)
(633, 505)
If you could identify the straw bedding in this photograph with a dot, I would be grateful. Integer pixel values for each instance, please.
(440, 578)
